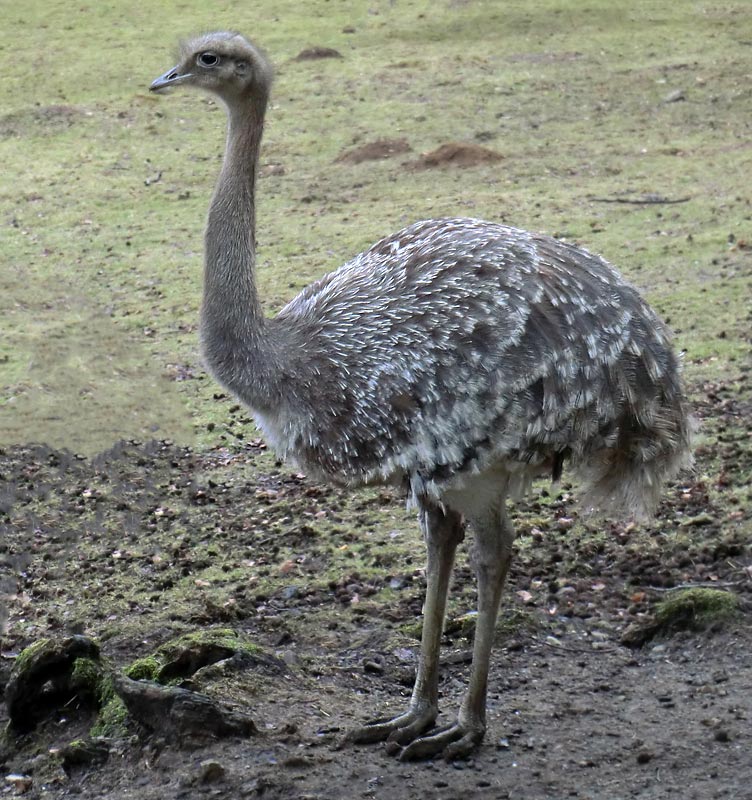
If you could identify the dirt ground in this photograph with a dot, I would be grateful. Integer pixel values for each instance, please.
(235, 541)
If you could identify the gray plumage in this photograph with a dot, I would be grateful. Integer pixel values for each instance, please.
(457, 345)
(460, 356)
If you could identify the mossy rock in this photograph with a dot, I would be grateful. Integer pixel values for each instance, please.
(695, 609)
(463, 625)
(50, 674)
(144, 669)
(182, 657)
(83, 753)
(686, 609)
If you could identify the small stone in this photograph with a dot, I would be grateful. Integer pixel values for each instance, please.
(373, 667)
(722, 735)
(211, 771)
(20, 783)
(676, 96)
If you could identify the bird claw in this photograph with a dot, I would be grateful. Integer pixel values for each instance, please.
(397, 731)
(404, 740)
(456, 741)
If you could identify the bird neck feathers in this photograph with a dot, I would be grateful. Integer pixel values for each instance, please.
(232, 320)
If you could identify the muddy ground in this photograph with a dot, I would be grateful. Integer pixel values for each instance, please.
(149, 540)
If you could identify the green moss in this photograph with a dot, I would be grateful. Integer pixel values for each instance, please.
(413, 629)
(77, 743)
(513, 622)
(112, 719)
(144, 669)
(113, 716)
(86, 673)
(696, 609)
(29, 654)
(219, 637)
(463, 625)
(182, 656)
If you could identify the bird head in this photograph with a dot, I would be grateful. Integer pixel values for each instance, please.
(223, 63)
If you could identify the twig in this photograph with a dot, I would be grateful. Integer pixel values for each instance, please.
(581, 651)
(645, 200)
(699, 585)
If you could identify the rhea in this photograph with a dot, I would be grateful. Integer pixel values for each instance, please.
(459, 357)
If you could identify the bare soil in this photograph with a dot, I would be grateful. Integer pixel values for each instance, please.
(456, 154)
(317, 52)
(149, 541)
(374, 151)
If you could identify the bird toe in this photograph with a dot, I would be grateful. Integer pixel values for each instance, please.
(453, 742)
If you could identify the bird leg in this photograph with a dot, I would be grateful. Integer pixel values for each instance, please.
(443, 530)
(493, 539)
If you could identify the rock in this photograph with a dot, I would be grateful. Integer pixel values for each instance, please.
(676, 96)
(179, 713)
(373, 666)
(693, 609)
(45, 676)
(84, 753)
(20, 783)
(211, 771)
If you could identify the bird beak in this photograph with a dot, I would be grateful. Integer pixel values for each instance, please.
(171, 78)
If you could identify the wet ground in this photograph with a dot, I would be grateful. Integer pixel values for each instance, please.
(149, 541)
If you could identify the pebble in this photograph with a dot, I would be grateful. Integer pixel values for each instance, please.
(373, 667)
(20, 783)
(211, 771)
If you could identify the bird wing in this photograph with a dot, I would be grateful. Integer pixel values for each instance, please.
(456, 343)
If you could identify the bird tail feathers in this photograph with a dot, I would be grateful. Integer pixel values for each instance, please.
(649, 447)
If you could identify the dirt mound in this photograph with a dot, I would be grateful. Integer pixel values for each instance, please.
(456, 154)
(374, 151)
(315, 53)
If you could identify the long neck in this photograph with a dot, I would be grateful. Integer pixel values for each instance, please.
(232, 321)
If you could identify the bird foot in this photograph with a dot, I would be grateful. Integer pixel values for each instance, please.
(455, 741)
(398, 730)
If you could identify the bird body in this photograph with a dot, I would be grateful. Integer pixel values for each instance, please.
(457, 346)
(459, 356)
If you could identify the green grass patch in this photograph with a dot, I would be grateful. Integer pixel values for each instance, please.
(106, 186)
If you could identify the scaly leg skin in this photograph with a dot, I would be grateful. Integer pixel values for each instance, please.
(443, 531)
(494, 537)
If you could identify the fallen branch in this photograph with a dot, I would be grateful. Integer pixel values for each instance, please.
(645, 200)
(698, 585)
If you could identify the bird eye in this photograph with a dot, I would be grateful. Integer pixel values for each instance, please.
(207, 59)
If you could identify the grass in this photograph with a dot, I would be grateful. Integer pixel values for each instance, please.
(106, 186)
